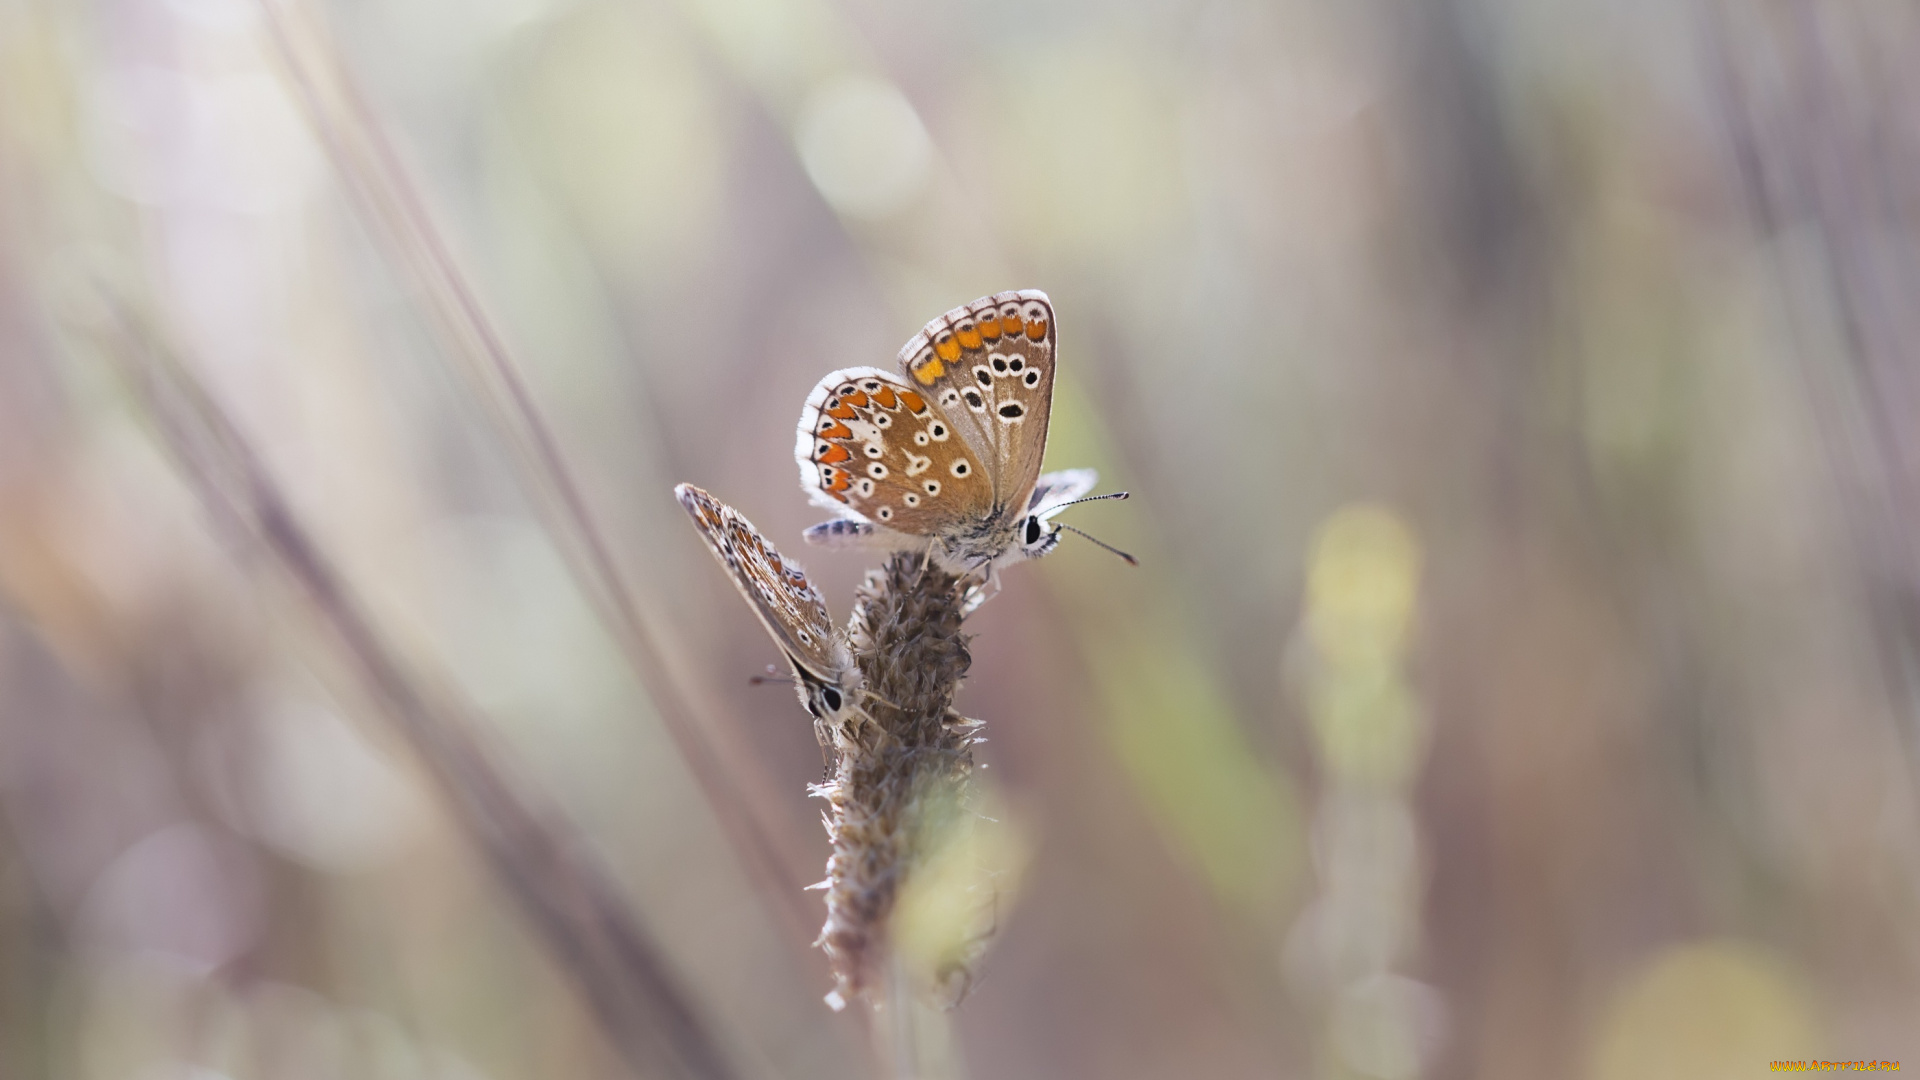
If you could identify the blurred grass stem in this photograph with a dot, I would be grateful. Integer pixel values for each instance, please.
(534, 851)
(396, 214)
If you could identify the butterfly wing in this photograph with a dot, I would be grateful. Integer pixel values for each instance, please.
(874, 449)
(989, 366)
(1054, 490)
(777, 590)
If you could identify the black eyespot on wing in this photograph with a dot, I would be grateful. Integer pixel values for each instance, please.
(1032, 378)
(999, 362)
(939, 430)
(1016, 364)
(960, 468)
(1013, 410)
(984, 377)
(974, 400)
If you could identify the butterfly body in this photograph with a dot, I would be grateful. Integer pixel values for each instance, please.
(788, 606)
(945, 454)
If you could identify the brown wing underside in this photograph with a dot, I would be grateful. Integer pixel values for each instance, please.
(788, 605)
(883, 450)
(989, 368)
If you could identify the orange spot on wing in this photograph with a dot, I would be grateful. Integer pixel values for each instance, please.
(842, 411)
(858, 397)
(834, 453)
(926, 373)
(946, 349)
(990, 327)
(886, 399)
(837, 431)
(1037, 329)
(914, 404)
(968, 337)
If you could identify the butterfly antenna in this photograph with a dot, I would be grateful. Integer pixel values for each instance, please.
(1095, 498)
(772, 676)
(1131, 561)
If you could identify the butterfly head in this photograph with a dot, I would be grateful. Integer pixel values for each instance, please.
(1039, 533)
(822, 699)
(831, 698)
(1038, 536)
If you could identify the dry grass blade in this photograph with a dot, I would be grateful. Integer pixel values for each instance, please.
(1813, 154)
(533, 850)
(398, 216)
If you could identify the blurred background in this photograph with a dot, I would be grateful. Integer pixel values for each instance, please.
(1522, 678)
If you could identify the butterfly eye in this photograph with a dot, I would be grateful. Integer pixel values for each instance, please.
(831, 699)
(1033, 530)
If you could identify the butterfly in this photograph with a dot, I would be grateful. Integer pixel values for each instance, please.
(792, 610)
(948, 452)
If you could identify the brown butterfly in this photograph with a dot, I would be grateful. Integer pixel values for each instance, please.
(948, 453)
(788, 605)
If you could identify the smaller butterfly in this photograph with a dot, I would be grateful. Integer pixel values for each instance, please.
(788, 605)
